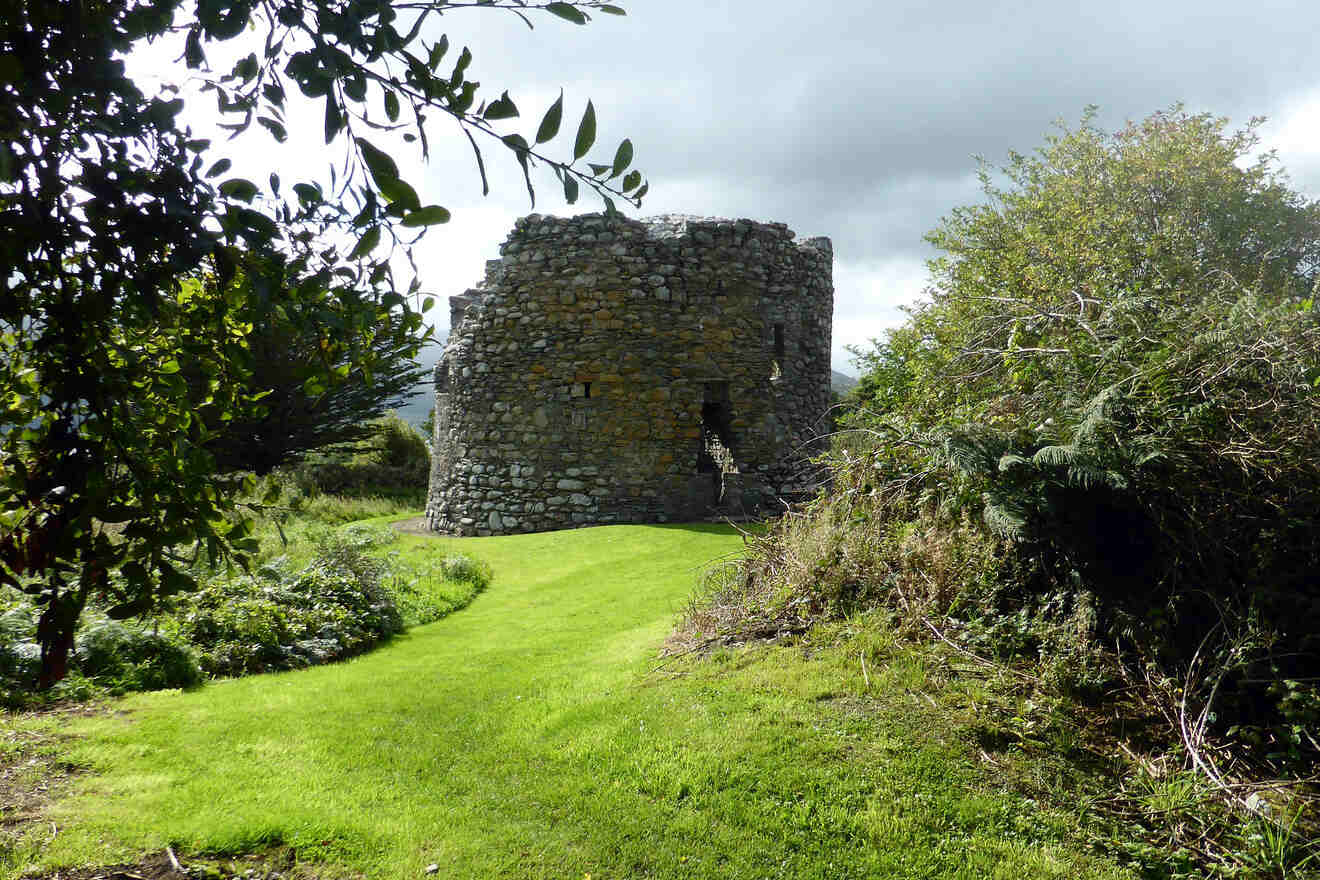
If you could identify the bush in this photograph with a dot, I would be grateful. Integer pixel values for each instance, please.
(1115, 374)
(20, 655)
(428, 591)
(108, 657)
(335, 607)
(345, 601)
(124, 658)
(392, 460)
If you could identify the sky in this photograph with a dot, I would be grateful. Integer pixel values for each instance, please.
(853, 119)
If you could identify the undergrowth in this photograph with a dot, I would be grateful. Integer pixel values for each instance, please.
(320, 594)
(1184, 797)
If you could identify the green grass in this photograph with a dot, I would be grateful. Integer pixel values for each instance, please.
(297, 532)
(532, 735)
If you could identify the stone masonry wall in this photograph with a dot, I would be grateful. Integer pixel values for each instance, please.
(613, 370)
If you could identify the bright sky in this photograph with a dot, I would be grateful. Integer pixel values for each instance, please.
(851, 119)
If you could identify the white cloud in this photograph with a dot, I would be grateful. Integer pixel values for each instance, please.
(1295, 132)
(868, 299)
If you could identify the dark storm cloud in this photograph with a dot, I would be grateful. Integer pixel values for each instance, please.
(851, 118)
(852, 92)
(861, 120)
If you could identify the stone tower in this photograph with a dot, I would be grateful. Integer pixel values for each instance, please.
(611, 370)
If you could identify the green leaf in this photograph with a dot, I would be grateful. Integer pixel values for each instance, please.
(275, 128)
(366, 244)
(379, 163)
(173, 581)
(392, 106)
(129, 609)
(612, 10)
(192, 49)
(246, 68)
(586, 133)
(641, 192)
(400, 195)
(622, 158)
(464, 59)
(502, 108)
(274, 93)
(356, 88)
(334, 120)
(521, 148)
(307, 193)
(549, 126)
(238, 188)
(437, 52)
(567, 12)
(570, 188)
(427, 216)
(598, 170)
(261, 229)
(632, 180)
(220, 167)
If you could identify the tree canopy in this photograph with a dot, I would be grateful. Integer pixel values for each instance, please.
(1118, 370)
(316, 392)
(122, 382)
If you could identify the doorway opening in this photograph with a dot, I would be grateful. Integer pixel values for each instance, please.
(715, 456)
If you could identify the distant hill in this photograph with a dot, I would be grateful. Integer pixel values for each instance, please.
(841, 383)
(414, 412)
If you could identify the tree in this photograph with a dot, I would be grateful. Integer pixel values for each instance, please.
(1119, 369)
(118, 380)
(1140, 305)
(316, 393)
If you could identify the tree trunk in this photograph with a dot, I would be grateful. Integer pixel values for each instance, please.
(55, 630)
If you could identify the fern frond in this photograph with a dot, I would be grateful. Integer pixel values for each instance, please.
(1004, 521)
(1056, 456)
(1085, 476)
(974, 450)
(1011, 460)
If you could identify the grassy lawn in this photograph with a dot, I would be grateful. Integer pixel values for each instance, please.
(532, 735)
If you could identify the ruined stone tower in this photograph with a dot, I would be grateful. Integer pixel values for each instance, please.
(610, 370)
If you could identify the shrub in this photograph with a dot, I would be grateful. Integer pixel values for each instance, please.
(20, 655)
(125, 658)
(108, 656)
(393, 459)
(427, 591)
(1115, 374)
(333, 608)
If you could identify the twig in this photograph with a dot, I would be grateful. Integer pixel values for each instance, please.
(979, 659)
(174, 862)
(864, 673)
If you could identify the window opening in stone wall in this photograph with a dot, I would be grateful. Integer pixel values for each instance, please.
(586, 390)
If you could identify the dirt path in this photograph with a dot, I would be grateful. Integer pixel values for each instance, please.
(416, 526)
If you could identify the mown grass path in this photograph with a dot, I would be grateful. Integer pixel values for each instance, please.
(528, 736)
